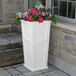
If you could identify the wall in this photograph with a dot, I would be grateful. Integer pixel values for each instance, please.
(0, 9)
(63, 47)
(11, 8)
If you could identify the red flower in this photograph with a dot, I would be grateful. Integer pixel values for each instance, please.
(33, 10)
(40, 19)
(30, 18)
(48, 18)
(44, 9)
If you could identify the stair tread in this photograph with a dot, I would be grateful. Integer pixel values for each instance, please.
(5, 28)
(10, 38)
(3, 41)
(11, 56)
(11, 50)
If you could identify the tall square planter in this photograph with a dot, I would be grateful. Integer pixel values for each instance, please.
(35, 44)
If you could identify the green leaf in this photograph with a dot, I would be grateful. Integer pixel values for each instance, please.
(18, 18)
(54, 19)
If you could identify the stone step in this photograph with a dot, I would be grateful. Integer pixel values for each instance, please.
(10, 41)
(11, 51)
(5, 28)
(11, 57)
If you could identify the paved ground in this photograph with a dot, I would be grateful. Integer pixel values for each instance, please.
(20, 70)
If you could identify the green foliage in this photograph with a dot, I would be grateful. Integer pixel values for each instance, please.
(17, 18)
(54, 19)
(41, 9)
(34, 17)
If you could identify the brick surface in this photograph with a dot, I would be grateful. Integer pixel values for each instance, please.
(57, 34)
(55, 47)
(75, 33)
(11, 15)
(56, 28)
(69, 38)
(9, 1)
(12, 7)
(63, 44)
(19, 5)
(10, 21)
(67, 31)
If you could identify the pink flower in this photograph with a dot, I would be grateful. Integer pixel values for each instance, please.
(29, 18)
(40, 20)
(37, 13)
(46, 12)
(48, 18)
(33, 10)
(43, 13)
(22, 16)
(29, 12)
(26, 18)
(25, 14)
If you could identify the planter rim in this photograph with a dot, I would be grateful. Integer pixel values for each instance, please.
(36, 21)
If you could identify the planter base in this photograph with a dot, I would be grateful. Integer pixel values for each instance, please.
(33, 69)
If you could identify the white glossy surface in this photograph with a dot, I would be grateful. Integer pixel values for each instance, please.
(36, 44)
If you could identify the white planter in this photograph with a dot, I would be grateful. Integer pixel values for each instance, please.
(35, 44)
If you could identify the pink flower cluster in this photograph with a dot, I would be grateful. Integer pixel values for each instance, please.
(35, 14)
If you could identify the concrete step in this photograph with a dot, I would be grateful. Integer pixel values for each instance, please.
(5, 28)
(10, 41)
(11, 57)
(11, 51)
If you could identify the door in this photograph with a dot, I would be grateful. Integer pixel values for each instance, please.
(0, 9)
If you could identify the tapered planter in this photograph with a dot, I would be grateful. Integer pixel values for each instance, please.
(35, 44)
